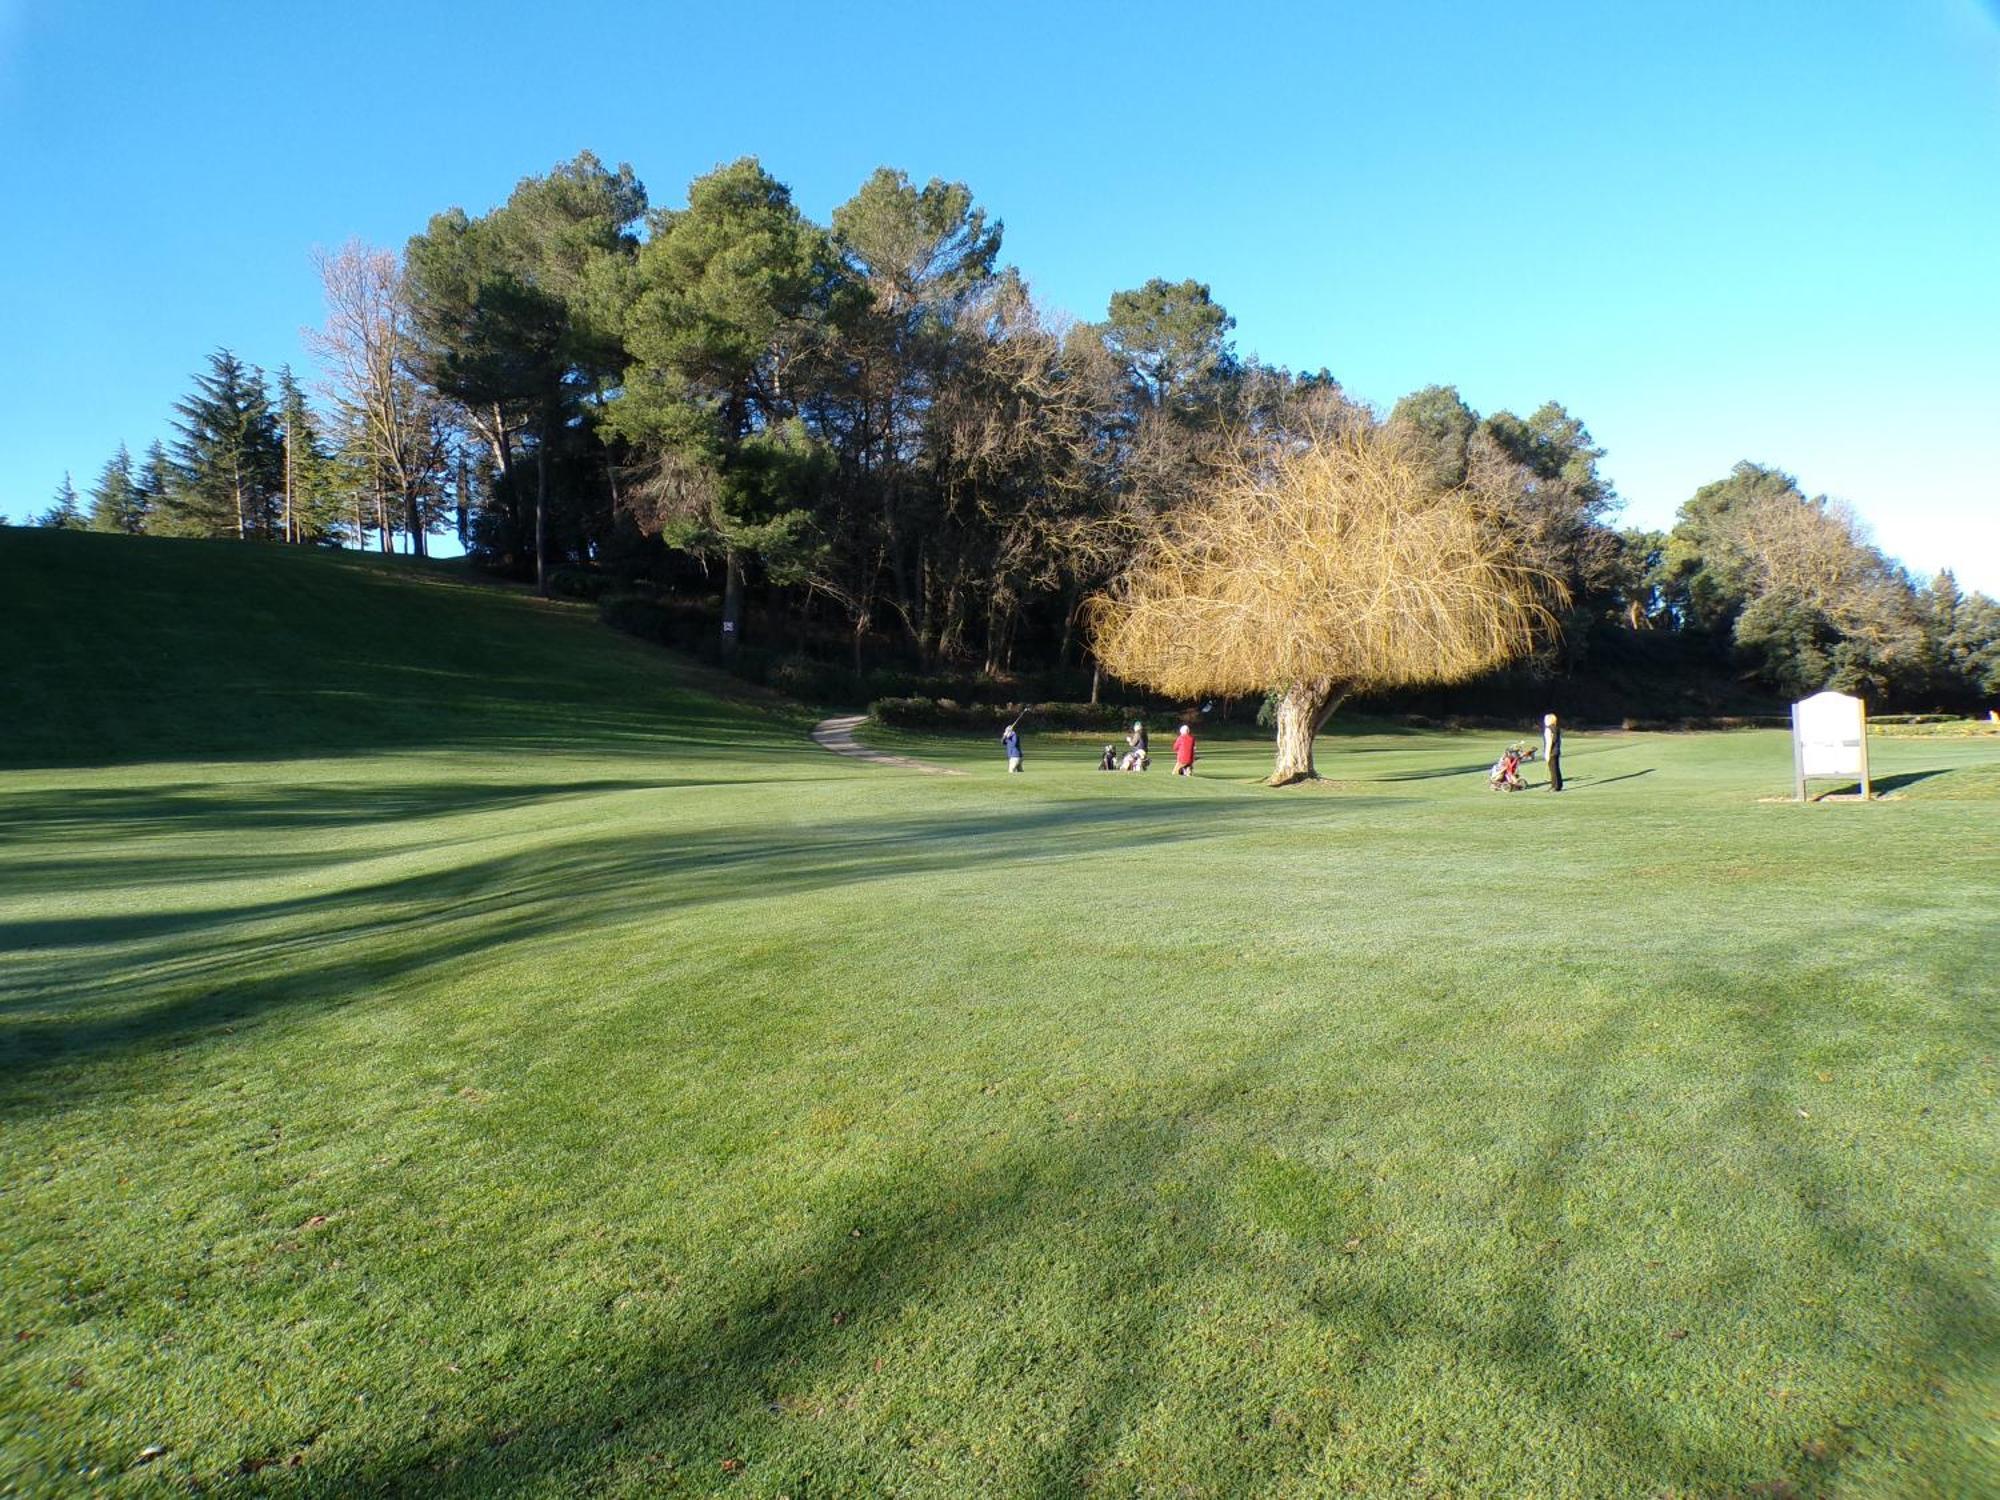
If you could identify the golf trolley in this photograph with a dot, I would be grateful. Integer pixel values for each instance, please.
(1505, 775)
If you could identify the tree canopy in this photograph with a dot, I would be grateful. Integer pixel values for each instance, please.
(862, 449)
(1316, 569)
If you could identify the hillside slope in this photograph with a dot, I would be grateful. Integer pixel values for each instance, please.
(117, 649)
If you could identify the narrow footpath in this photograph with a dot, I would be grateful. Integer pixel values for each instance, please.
(837, 735)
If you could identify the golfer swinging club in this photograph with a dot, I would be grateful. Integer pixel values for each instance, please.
(1010, 740)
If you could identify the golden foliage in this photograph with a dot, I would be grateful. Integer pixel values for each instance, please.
(1332, 560)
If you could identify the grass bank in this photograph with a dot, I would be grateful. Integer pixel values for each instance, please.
(552, 1079)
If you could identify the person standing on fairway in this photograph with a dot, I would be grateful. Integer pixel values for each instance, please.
(1010, 739)
(1184, 752)
(1552, 751)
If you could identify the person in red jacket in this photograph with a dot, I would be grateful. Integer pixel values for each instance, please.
(1184, 752)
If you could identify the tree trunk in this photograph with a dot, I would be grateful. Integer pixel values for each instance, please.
(541, 513)
(1096, 677)
(732, 601)
(1302, 709)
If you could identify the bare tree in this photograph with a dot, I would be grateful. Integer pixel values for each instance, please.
(1312, 569)
(367, 348)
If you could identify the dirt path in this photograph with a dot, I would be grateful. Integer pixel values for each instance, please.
(837, 735)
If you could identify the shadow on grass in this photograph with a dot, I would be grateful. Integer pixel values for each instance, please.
(93, 813)
(77, 987)
(1606, 780)
(1436, 774)
(220, 652)
(804, 1337)
(812, 1338)
(1881, 785)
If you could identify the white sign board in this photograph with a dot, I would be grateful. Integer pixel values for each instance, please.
(1829, 738)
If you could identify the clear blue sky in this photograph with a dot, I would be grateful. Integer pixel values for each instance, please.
(1713, 230)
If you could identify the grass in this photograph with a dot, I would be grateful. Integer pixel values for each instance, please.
(447, 1052)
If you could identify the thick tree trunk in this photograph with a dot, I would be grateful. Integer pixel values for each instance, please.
(1302, 709)
(732, 601)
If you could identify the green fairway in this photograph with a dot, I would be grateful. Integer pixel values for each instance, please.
(448, 1050)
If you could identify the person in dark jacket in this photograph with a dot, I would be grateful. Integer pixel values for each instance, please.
(1138, 757)
(1552, 750)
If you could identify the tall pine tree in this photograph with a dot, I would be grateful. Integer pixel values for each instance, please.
(230, 456)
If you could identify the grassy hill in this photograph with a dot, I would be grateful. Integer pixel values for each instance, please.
(142, 648)
(445, 1050)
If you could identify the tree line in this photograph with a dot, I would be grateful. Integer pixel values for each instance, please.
(869, 443)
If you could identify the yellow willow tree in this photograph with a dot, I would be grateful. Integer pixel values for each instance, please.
(1324, 566)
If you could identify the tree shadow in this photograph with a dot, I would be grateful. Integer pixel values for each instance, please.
(813, 1319)
(77, 987)
(803, 1336)
(172, 808)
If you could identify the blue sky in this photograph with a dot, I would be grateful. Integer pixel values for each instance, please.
(1713, 230)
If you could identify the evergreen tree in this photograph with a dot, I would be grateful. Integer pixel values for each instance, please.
(65, 514)
(116, 503)
(519, 316)
(230, 456)
(730, 290)
(153, 483)
(311, 509)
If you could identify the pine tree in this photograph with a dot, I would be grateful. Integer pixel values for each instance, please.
(312, 501)
(231, 458)
(65, 514)
(116, 503)
(153, 484)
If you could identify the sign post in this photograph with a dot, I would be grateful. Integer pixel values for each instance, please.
(1830, 738)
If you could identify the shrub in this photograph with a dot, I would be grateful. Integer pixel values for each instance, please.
(805, 678)
(580, 583)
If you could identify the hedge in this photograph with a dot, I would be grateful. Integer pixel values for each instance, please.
(950, 714)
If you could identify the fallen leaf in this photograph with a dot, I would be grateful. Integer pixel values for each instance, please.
(732, 1466)
(314, 1222)
(150, 1452)
(1678, 1334)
